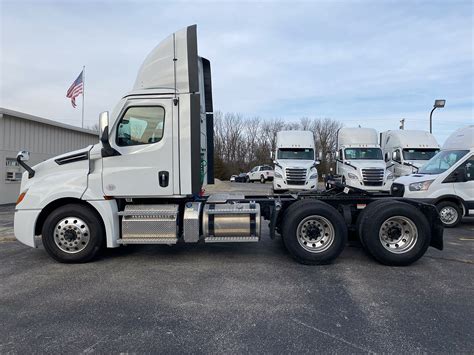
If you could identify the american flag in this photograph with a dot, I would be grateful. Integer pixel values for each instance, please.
(75, 90)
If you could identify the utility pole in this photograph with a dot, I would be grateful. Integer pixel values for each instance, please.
(402, 123)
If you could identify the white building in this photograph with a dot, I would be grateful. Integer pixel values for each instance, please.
(41, 137)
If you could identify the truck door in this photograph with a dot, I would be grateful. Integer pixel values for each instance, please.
(465, 187)
(143, 135)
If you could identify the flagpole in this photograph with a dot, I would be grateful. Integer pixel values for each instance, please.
(83, 89)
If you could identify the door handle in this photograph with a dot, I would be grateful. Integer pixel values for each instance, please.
(163, 178)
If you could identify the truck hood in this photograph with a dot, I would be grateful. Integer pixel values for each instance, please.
(410, 179)
(63, 159)
(368, 164)
(295, 163)
(62, 176)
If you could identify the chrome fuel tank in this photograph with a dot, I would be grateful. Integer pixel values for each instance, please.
(231, 222)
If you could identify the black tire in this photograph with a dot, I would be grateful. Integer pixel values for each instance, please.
(411, 219)
(366, 213)
(94, 228)
(449, 205)
(303, 210)
(262, 179)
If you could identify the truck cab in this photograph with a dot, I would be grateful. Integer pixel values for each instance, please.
(359, 160)
(405, 151)
(446, 180)
(295, 162)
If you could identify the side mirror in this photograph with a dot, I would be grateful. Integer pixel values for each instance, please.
(394, 155)
(337, 155)
(104, 126)
(23, 155)
(271, 155)
(107, 149)
(320, 155)
(317, 162)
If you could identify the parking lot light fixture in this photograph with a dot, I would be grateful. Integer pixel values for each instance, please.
(437, 103)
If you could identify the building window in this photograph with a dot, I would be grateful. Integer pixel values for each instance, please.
(13, 173)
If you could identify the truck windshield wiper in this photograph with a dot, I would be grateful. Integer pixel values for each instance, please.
(346, 163)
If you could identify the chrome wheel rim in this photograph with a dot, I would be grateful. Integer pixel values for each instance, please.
(315, 234)
(398, 234)
(448, 215)
(71, 235)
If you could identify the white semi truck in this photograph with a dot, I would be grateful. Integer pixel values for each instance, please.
(295, 162)
(405, 151)
(359, 161)
(446, 180)
(141, 184)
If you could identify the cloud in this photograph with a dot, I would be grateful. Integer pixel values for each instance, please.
(365, 62)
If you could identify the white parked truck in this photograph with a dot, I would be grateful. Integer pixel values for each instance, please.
(359, 161)
(405, 151)
(262, 173)
(446, 180)
(295, 162)
(141, 184)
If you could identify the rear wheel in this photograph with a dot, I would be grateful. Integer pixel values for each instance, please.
(313, 232)
(395, 234)
(367, 213)
(449, 213)
(72, 234)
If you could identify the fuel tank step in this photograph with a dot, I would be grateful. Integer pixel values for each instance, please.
(149, 224)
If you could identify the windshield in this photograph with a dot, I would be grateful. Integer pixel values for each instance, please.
(442, 161)
(419, 154)
(296, 153)
(363, 153)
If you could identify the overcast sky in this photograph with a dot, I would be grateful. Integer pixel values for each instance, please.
(360, 62)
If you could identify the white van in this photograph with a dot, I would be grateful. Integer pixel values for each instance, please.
(405, 151)
(359, 160)
(446, 180)
(295, 162)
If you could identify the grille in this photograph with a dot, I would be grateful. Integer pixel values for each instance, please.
(397, 190)
(295, 176)
(373, 177)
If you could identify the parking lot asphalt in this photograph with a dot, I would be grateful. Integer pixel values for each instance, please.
(235, 298)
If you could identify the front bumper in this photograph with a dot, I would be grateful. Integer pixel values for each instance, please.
(280, 184)
(24, 226)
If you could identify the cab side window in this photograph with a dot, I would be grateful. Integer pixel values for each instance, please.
(141, 125)
(469, 168)
(397, 156)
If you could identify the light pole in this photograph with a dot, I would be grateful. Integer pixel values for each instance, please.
(437, 103)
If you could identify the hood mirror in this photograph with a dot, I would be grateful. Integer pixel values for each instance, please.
(23, 155)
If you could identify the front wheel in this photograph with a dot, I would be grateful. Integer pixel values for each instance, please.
(262, 179)
(449, 213)
(313, 232)
(73, 234)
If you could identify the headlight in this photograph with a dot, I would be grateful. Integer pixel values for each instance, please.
(389, 176)
(420, 186)
(313, 176)
(278, 175)
(352, 176)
